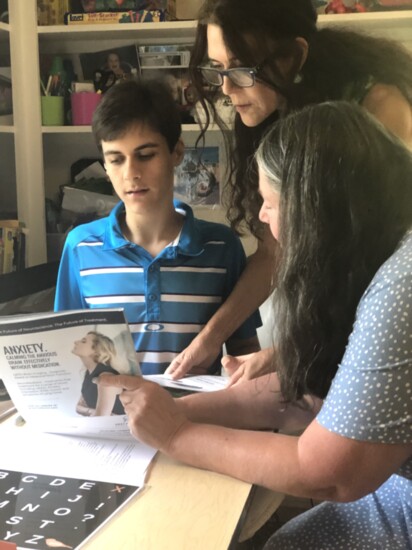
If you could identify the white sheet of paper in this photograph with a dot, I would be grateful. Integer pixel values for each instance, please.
(199, 383)
(27, 450)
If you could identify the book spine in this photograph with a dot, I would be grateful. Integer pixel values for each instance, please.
(9, 234)
(113, 17)
(12, 246)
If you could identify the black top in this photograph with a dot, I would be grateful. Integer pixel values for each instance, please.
(89, 389)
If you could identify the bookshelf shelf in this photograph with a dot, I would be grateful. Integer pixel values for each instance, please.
(186, 128)
(176, 31)
(4, 129)
(4, 29)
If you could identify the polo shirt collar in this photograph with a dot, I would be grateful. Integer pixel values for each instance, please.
(113, 237)
(190, 242)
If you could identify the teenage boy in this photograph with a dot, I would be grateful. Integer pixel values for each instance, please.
(168, 270)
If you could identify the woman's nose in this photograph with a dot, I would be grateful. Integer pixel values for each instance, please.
(262, 216)
(227, 86)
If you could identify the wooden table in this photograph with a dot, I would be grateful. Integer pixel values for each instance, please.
(185, 508)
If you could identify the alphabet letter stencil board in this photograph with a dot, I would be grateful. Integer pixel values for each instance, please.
(42, 512)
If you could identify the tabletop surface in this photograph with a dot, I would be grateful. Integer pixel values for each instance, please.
(182, 508)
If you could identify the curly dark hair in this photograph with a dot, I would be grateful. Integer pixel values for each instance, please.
(340, 64)
(345, 204)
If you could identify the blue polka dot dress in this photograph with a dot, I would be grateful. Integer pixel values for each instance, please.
(370, 400)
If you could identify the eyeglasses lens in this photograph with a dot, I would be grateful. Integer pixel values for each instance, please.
(212, 76)
(240, 77)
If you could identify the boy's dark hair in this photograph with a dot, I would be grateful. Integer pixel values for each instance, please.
(133, 102)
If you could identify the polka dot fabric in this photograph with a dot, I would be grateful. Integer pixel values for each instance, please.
(370, 400)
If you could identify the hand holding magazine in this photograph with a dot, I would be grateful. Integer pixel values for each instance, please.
(48, 362)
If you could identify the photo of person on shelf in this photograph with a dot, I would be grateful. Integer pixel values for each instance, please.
(169, 270)
(341, 210)
(97, 352)
(121, 69)
(270, 61)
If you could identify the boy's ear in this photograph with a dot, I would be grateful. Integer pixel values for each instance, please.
(179, 152)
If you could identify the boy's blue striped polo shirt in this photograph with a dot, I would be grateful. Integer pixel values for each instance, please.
(167, 299)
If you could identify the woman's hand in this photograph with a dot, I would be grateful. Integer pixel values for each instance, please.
(247, 367)
(153, 416)
(196, 358)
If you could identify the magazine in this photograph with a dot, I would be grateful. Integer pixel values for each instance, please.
(48, 362)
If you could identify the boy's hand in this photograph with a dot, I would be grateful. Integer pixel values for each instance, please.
(246, 367)
(196, 358)
(153, 416)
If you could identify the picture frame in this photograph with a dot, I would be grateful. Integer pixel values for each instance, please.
(170, 63)
(197, 178)
(123, 61)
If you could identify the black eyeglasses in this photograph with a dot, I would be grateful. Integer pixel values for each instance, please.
(244, 77)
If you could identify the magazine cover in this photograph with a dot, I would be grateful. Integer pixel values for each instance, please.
(197, 177)
(48, 362)
(42, 511)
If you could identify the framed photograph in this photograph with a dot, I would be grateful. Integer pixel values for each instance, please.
(122, 61)
(197, 178)
(170, 63)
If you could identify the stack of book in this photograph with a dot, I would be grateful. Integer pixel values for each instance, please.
(123, 11)
(12, 246)
(110, 17)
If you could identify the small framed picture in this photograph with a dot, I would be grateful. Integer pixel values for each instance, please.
(122, 61)
(197, 178)
(170, 63)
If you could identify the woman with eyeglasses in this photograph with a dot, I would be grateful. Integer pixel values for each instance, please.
(341, 210)
(270, 59)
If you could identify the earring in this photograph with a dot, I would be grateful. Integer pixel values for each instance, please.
(298, 78)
